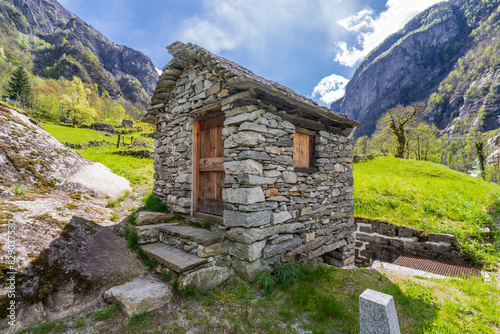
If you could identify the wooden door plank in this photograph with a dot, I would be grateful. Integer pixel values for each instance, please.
(212, 164)
(220, 142)
(205, 150)
(211, 206)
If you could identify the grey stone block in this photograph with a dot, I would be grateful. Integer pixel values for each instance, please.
(246, 219)
(377, 313)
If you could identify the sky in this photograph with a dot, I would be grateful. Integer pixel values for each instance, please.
(311, 46)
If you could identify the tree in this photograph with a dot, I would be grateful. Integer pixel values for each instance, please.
(19, 87)
(76, 103)
(398, 121)
(481, 159)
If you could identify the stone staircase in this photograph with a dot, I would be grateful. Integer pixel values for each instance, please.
(182, 248)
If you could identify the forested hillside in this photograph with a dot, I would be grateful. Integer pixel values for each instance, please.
(72, 64)
(448, 56)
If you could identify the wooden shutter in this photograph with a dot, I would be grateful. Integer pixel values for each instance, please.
(303, 152)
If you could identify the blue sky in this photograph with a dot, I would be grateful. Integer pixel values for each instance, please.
(311, 46)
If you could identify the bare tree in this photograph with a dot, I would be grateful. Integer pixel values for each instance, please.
(399, 120)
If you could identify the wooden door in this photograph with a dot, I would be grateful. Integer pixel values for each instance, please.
(208, 166)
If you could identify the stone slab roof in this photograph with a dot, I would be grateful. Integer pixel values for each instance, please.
(242, 78)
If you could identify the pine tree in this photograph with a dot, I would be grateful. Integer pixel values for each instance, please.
(19, 87)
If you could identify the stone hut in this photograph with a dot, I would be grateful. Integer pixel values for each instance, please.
(269, 166)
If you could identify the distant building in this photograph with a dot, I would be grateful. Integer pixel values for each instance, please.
(270, 166)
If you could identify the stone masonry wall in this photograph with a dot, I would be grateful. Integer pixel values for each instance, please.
(385, 242)
(272, 214)
(195, 87)
(275, 214)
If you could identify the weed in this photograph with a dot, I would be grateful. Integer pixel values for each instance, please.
(112, 204)
(241, 290)
(152, 203)
(19, 189)
(114, 217)
(189, 291)
(105, 312)
(289, 273)
(166, 275)
(137, 319)
(131, 219)
(133, 243)
(266, 282)
(80, 322)
(49, 327)
(206, 224)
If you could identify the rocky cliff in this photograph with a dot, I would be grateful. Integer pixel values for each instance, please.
(447, 56)
(57, 43)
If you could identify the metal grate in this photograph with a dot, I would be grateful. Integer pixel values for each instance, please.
(436, 266)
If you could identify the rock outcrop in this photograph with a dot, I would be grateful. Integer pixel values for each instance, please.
(32, 157)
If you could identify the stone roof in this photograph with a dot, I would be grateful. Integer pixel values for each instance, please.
(242, 78)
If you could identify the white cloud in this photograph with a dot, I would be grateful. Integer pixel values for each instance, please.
(359, 21)
(256, 24)
(331, 88)
(398, 13)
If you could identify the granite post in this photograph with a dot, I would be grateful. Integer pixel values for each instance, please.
(377, 313)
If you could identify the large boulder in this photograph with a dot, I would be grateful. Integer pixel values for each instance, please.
(139, 295)
(127, 123)
(103, 127)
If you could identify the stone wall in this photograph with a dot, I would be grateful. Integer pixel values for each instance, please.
(381, 241)
(192, 89)
(272, 214)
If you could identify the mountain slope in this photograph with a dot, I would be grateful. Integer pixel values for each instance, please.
(458, 38)
(45, 37)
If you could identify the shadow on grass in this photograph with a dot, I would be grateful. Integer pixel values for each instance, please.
(329, 298)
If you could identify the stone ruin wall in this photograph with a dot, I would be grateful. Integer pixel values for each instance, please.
(272, 214)
(385, 242)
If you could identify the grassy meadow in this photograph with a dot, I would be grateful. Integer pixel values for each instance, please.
(136, 170)
(320, 299)
(306, 299)
(431, 197)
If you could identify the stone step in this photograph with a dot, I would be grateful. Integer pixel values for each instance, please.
(150, 233)
(175, 259)
(148, 218)
(198, 235)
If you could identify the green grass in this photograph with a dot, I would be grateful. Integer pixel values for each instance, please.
(153, 204)
(136, 170)
(318, 299)
(77, 135)
(105, 312)
(428, 196)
